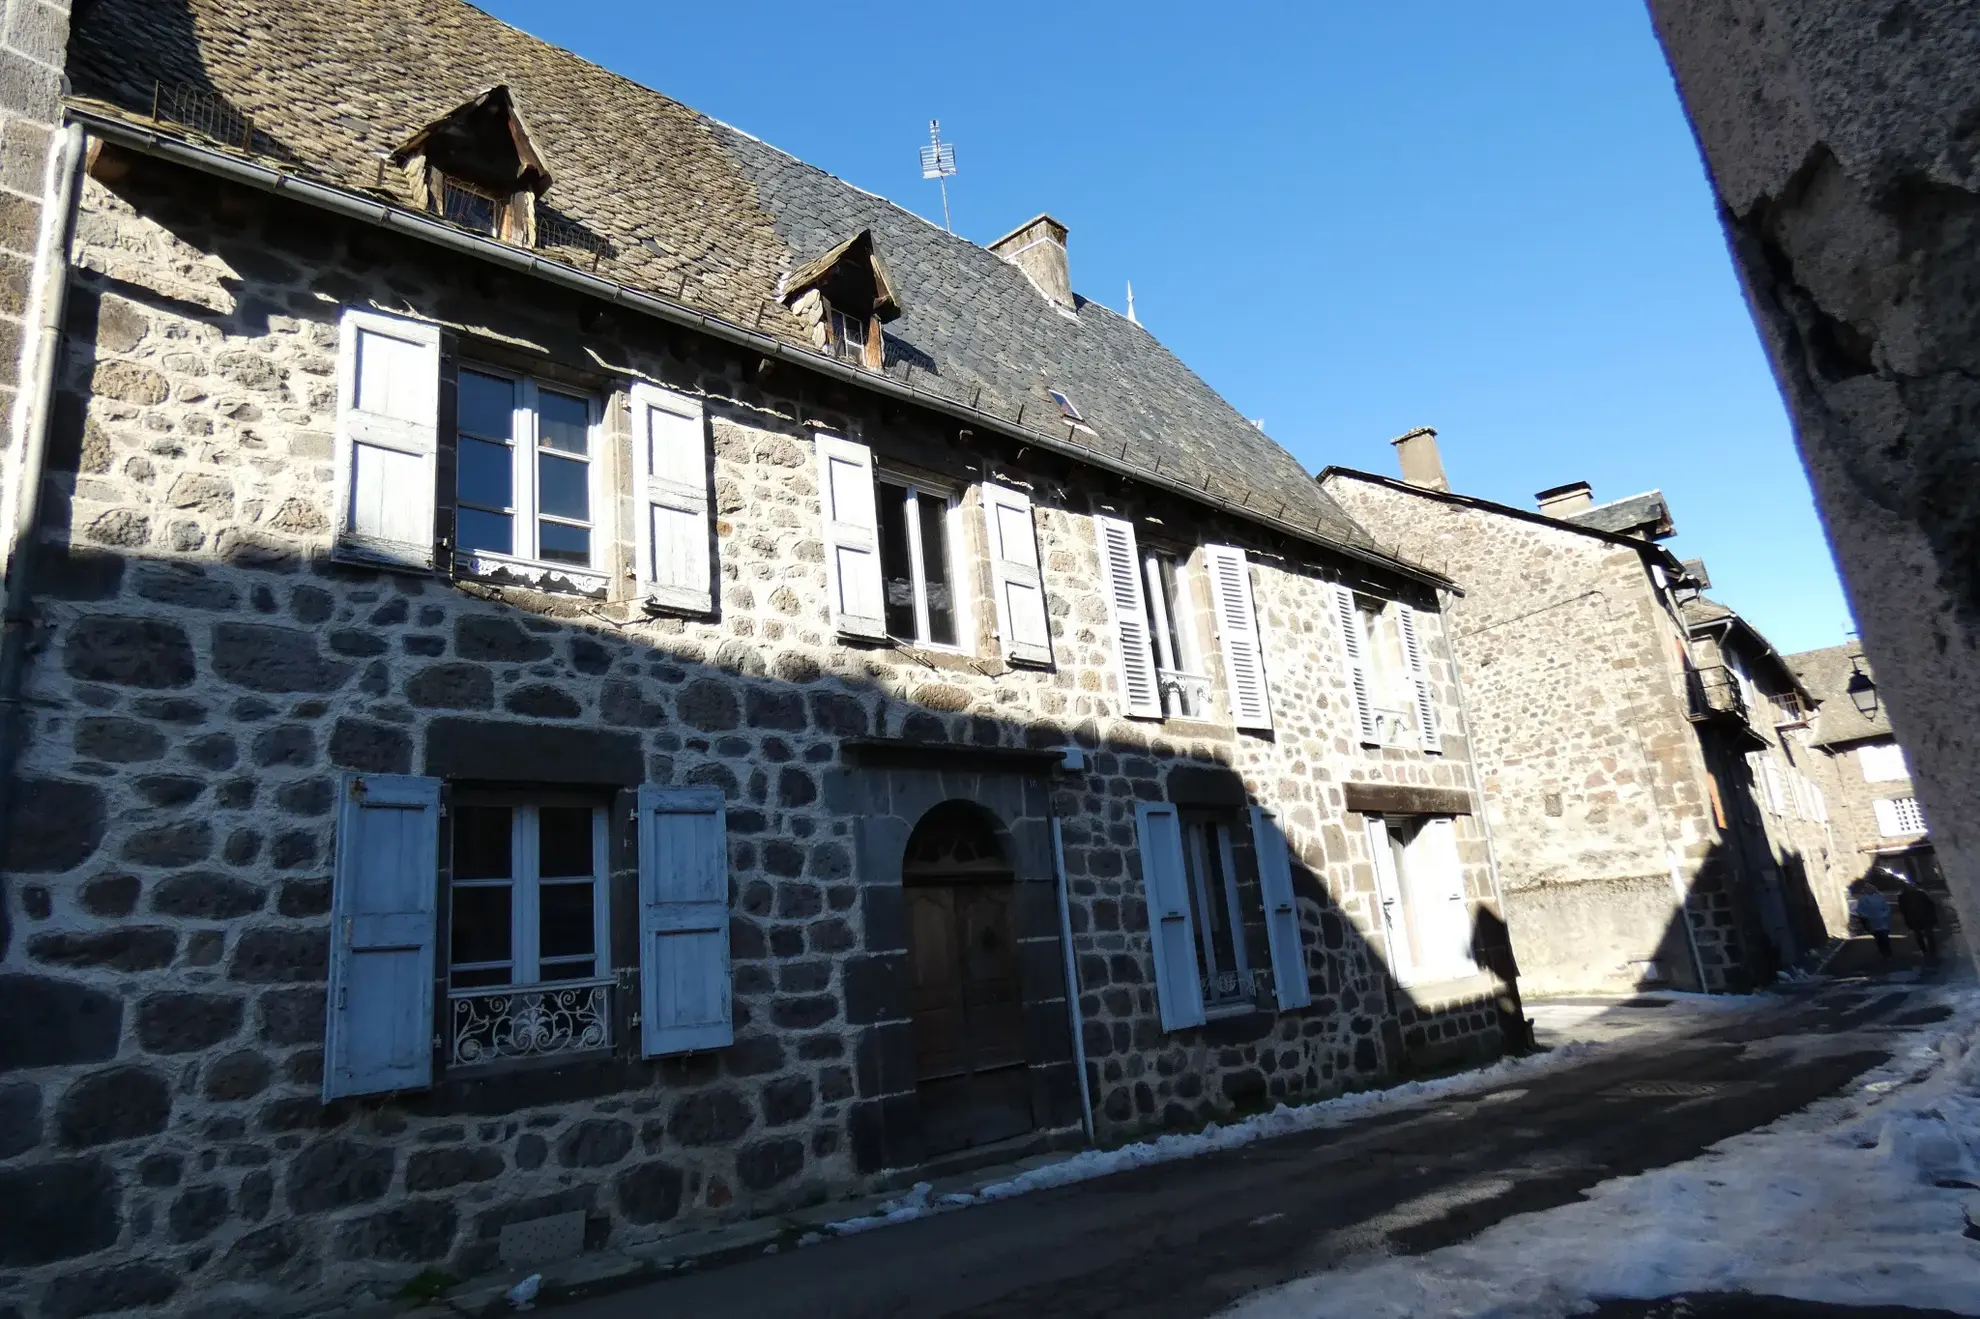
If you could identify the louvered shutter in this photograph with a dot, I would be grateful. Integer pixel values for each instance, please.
(1237, 633)
(1427, 730)
(388, 426)
(1354, 654)
(379, 1026)
(1275, 890)
(670, 462)
(1165, 886)
(1449, 910)
(852, 536)
(683, 920)
(1127, 607)
(1014, 577)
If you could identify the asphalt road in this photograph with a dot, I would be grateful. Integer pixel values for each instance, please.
(1185, 1239)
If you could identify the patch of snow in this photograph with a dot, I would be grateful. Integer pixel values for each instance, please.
(919, 1200)
(1858, 1199)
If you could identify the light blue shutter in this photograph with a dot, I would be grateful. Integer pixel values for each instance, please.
(1281, 912)
(1165, 884)
(379, 1028)
(683, 920)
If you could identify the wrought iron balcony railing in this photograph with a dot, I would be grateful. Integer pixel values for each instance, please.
(537, 1021)
(1714, 692)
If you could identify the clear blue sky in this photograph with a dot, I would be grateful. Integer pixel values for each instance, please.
(1350, 218)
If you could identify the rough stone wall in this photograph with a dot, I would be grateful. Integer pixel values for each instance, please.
(1594, 777)
(1838, 134)
(204, 672)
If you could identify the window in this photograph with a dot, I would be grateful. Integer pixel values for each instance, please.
(1766, 779)
(472, 208)
(917, 561)
(1882, 762)
(527, 907)
(1899, 816)
(1211, 865)
(1426, 916)
(1066, 408)
(527, 483)
(1172, 622)
(1395, 702)
(849, 337)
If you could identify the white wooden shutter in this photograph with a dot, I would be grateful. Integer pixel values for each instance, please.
(683, 920)
(1449, 920)
(1354, 654)
(1389, 895)
(1770, 777)
(1014, 576)
(1237, 633)
(379, 1027)
(388, 428)
(670, 462)
(1120, 565)
(1419, 673)
(852, 536)
(1282, 932)
(1165, 886)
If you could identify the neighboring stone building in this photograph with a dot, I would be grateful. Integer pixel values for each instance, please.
(1609, 741)
(593, 679)
(1873, 804)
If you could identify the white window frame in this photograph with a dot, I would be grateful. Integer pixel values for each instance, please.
(953, 532)
(525, 906)
(524, 445)
(1198, 831)
(844, 346)
(1179, 675)
(1882, 762)
(1397, 896)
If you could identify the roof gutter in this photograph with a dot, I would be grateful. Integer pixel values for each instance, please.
(384, 215)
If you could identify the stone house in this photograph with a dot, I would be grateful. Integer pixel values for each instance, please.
(1609, 730)
(591, 679)
(1873, 806)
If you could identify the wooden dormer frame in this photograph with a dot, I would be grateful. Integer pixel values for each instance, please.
(851, 280)
(483, 148)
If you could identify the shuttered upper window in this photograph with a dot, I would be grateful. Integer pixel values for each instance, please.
(919, 537)
(527, 479)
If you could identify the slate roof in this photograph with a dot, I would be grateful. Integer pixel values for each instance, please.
(1702, 611)
(1626, 515)
(1825, 673)
(685, 208)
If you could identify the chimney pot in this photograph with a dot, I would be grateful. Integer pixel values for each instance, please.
(1038, 248)
(1422, 465)
(1566, 500)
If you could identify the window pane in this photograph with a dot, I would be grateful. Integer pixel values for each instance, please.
(1208, 894)
(475, 530)
(469, 208)
(482, 837)
(579, 969)
(481, 924)
(487, 474)
(1178, 607)
(566, 928)
(563, 487)
(1164, 648)
(487, 405)
(935, 566)
(896, 563)
(564, 849)
(557, 543)
(562, 422)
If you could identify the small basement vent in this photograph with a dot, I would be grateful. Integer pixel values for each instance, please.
(542, 1240)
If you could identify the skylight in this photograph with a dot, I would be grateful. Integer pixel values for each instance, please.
(1066, 407)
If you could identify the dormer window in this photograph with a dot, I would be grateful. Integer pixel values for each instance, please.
(477, 167)
(844, 297)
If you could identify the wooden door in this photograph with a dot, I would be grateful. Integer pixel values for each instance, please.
(968, 1018)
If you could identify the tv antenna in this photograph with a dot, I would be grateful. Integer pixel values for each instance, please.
(938, 162)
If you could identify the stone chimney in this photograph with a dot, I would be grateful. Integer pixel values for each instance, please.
(1038, 248)
(1422, 465)
(1566, 500)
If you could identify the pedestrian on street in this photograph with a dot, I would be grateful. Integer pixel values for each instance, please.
(1921, 918)
(1874, 910)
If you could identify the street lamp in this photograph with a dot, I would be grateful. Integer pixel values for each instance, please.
(1862, 688)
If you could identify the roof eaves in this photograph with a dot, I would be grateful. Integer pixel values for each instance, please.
(150, 139)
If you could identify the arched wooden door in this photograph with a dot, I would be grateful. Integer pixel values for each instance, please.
(964, 992)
